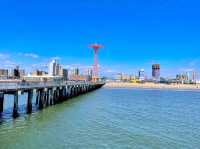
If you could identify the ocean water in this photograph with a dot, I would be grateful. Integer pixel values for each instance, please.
(108, 118)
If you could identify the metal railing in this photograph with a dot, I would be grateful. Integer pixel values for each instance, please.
(29, 85)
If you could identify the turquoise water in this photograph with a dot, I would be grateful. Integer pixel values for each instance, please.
(109, 118)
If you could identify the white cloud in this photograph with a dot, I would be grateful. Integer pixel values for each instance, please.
(41, 66)
(194, 63)
(4, 56)
(56, 58)
(186, 69)
(32, 55)
(5, 61)
(7, 64)
(80, 66)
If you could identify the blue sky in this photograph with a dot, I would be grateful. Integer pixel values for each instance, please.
(135, 34)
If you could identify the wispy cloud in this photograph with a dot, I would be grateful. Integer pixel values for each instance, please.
(80, 66)
(7, 64)
(186, 69)
(5, 61)
(56, 58)
(194, 63)
(4, 56)
(32, 55)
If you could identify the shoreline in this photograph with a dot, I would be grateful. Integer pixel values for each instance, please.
(152, 86)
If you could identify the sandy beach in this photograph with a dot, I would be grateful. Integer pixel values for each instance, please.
(151, 85)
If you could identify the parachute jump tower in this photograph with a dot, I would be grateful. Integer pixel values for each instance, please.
(95, 47)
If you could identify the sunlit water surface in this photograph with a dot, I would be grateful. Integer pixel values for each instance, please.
(108, 118)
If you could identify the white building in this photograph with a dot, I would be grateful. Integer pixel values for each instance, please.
(54, 68)
(141, 75)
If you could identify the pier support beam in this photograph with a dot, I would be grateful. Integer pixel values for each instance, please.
(1, 102)
(47, 97)
(37, 97)
(64, 92)
(72, 92)
(69, 91)
(41, 99)
(15, 106)
(51, 96)
(75, 90)
(57, 95)
(77, 93)
(60, 94)
(54, 96)
(29, 101)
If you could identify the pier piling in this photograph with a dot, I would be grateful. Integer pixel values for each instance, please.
(37, 97)
(1, 102)
(41, 100)
(29, 101)
(50, 96)
(15, 106)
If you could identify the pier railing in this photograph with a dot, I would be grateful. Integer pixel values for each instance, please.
(30, 85)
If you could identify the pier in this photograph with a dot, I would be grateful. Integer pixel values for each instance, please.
(46, 93)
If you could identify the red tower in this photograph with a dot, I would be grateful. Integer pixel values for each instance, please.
(95, 47)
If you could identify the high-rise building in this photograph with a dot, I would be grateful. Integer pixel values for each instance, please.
(89, 74)
(141, 75)
(75, 72)
(21, 72)
(156, 72)
(15, 73)
(182, 78)
(194, 76)
(119, 77)
(54, 68)
(74, 75)
(64, 73)
(58, 68)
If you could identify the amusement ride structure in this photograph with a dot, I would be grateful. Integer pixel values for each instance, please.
(95, 47)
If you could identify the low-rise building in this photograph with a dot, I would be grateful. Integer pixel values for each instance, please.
(39, 73)
(42, 78)
(3, 74)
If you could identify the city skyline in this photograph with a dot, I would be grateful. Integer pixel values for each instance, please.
(32, 32)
